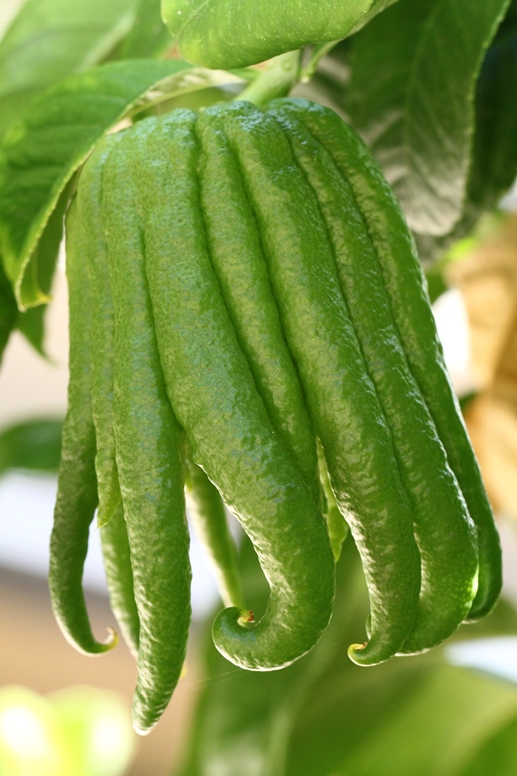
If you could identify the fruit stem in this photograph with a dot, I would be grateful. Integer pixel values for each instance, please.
(276, 80)
(318, 52)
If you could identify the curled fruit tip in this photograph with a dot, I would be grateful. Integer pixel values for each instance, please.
(112, 639)
(353, 649)
(246, 616)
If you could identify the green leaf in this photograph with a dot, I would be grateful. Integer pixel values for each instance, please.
(33, 444)
(408, 716)
(494, 163)
(497, 754)
(149, 37)
(8, 310)
(31, 323)
(433, 247)
(41, 153)
(49, 39)
(413, 719)
(434, 729)
(235, 33)
(414, 70)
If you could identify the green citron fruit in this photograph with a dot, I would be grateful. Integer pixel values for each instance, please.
(258, 331)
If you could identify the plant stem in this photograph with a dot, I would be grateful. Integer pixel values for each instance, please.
(276, 80)
(318, 53)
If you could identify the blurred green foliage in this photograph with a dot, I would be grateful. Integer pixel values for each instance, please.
(325, 716)
(33, 444)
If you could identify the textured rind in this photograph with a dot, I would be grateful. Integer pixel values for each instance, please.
(214, 397)
(406, 288)
(445, 533)
(149, 445)
(77, 483)
(342, 399)
(101, 305)
(238, 260)
(110, 517)
(206, 511)
(119, 577)
(337, 527)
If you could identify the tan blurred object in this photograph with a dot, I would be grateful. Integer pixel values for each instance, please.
(488, 283)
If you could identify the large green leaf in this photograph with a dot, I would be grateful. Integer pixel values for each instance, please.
(149, 37)
(8, 310)
(494, 163)
(435, 729)
(418, 716)
(493, 166)
(31, 323)
(238, 33)
(50, 39)
(414, 70)
(40, 154)
(497, 753)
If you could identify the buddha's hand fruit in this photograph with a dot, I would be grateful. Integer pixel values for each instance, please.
(255, 300)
